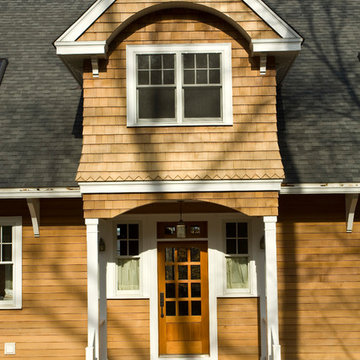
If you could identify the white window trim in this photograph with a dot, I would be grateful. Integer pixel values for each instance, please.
(251, 290)
(226, 75)
(16, 223)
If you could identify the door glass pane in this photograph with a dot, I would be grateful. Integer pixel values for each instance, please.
(170, 290)
(183, 308)
(183, 272)
(170, 308)
(183, 290)
(195, 254)
(196, 308)
(169, 254)
(195, 290)
(181, 255)
(195, 272)
(6, 282)
(169, 272)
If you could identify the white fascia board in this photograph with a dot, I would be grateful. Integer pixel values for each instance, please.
(86, 20)
(272, 19)
(98, 48)
(260, 46)
(178, 186)
(321, 188)
(40, 193)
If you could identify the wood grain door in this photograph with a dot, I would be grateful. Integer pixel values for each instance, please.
(183, 298)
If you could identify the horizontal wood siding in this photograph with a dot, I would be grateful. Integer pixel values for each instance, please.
(319, 279)
(53, 321)
(249, 203)
(122, 11)
(128, 329)
(238, 328)
(114, 152)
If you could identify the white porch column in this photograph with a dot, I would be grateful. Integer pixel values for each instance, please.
(272, 312)
(92, 241)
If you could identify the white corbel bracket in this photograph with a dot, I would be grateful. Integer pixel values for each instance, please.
(34, 208)
(263, 60)
(351, 202)
(95, 67)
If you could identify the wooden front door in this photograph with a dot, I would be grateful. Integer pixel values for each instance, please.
(183, 298)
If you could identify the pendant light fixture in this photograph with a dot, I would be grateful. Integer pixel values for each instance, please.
(180, 226)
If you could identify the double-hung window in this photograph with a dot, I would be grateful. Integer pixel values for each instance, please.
(10, 262)
(182, 84)
(237, 256)
(128, 259)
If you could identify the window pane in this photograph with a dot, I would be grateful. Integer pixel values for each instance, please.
(242, 246)
(133, 231)
(6, 234)
(231, 246)
(155, 77)
(168, 61)
(6, 282)
(122, 231)
(169, 78)
(230, 229)
(201, 60)
(237, 273)
(123, 248)
(201, 77)
(214, 76)
(143, 77)
(202, 102)
(156, 103)
(128, 274)
(133, 247)
(6, 252)
(189, 76)
(155, 61)
(242, 230)
(188, 61)
(214, 60)
(143, 61)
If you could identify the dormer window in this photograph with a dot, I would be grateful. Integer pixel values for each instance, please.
(179, 85)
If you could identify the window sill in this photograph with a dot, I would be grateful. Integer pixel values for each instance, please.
(167, 124)
(127, 296)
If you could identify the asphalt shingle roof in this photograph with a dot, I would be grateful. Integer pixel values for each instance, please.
(40, 101)
(41, 105)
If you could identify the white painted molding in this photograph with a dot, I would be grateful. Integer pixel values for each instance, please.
(272, 19)
(98, 48)
(79, 27)
(321, 188)
(263, 60)
(178, 186)
(271, 289)
(260, 46)
(351, 202)
(34, 208)
(28, 193)
(95, 67)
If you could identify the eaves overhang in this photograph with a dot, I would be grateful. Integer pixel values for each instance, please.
(320, 188)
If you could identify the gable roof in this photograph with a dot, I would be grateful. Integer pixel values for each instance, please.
(319, 100)
(40, 102)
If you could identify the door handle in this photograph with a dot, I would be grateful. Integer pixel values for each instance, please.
(162, 304)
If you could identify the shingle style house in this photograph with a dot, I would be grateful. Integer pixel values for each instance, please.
(179, 179)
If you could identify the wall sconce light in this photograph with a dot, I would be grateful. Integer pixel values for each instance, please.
(102, 246)
(180, 226)
(262, 243)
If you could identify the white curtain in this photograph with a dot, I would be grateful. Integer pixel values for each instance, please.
(128, 274)
(237, 272)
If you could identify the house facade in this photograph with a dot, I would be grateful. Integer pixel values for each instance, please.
(154, 210)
